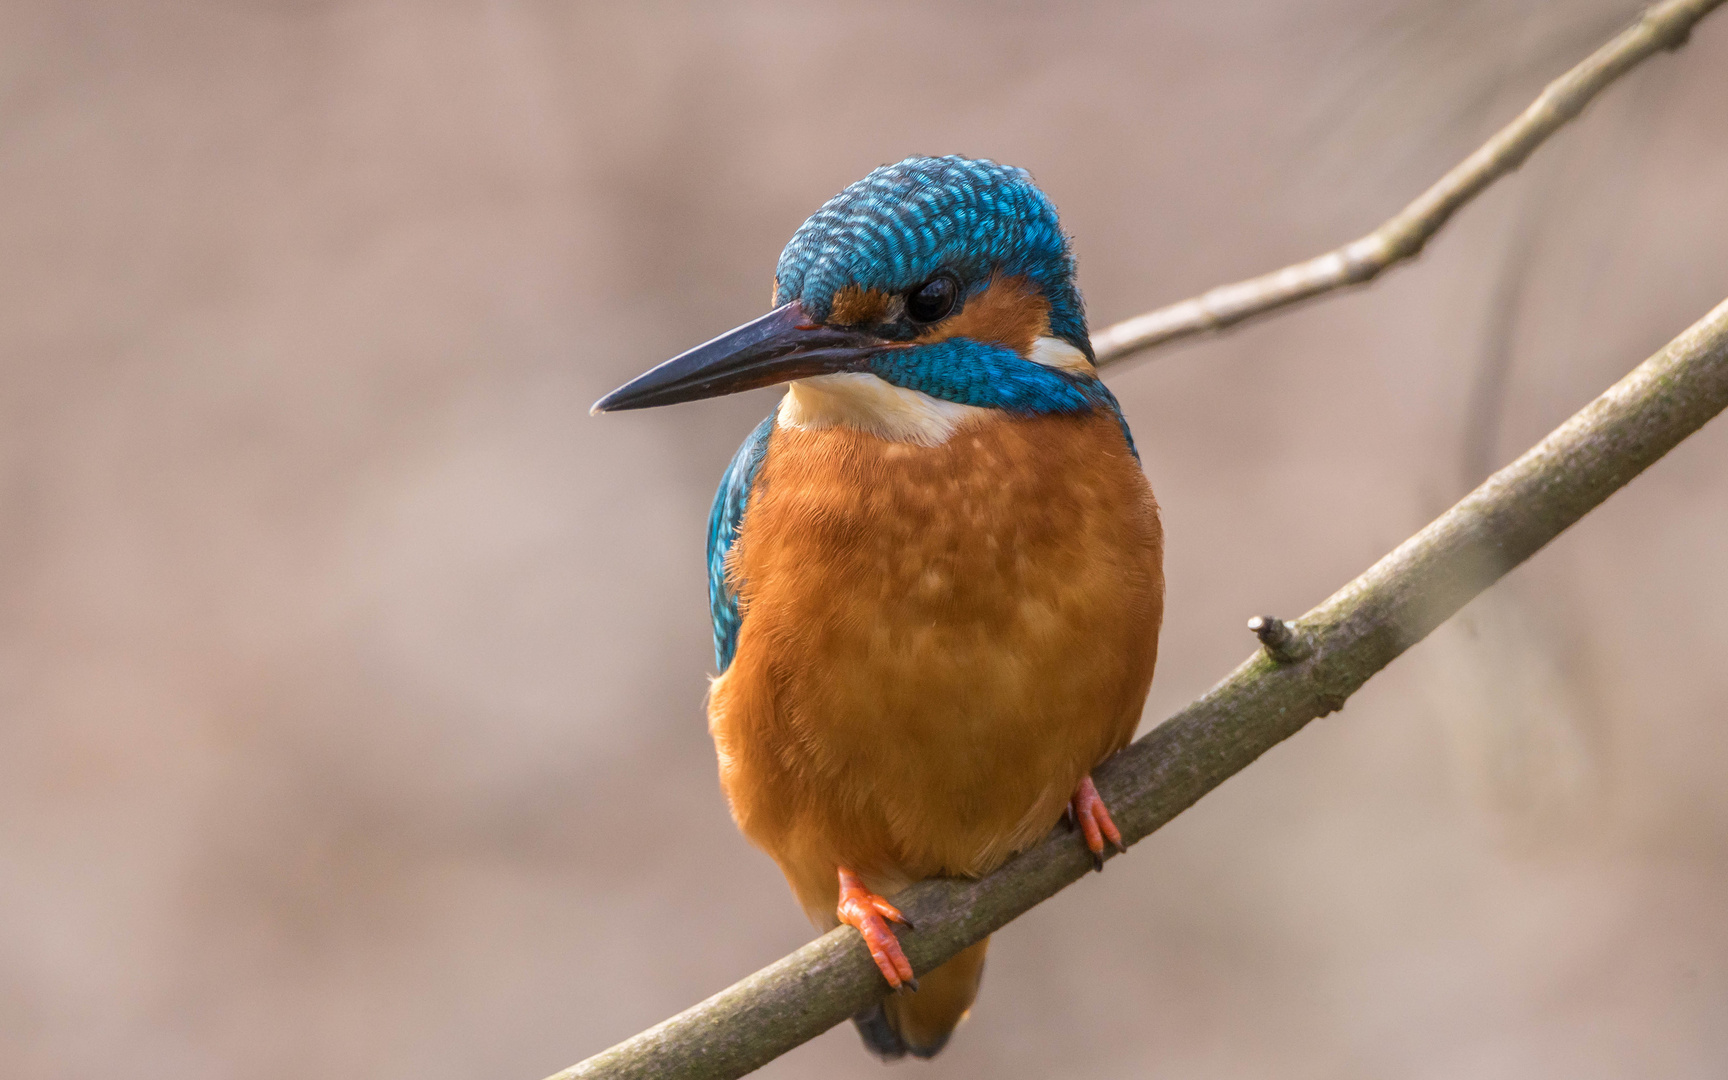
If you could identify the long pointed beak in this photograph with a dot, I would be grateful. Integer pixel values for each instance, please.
(780, 346)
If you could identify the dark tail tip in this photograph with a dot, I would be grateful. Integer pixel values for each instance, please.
(881, 1039)
(879, 1035)
(928, 1052)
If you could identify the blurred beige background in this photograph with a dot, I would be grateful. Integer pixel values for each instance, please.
(351, 675)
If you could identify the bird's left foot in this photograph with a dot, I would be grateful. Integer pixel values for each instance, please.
(1093, 819)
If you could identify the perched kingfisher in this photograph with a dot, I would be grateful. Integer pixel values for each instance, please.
(935, 571)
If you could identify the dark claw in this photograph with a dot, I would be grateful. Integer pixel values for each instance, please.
(909, 984)
(1098, 861)
(907, 923)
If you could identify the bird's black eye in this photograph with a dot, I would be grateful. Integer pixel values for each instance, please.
(932, 300)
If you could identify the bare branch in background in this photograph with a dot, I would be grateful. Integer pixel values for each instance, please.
(1309, 667)
(1663, 26)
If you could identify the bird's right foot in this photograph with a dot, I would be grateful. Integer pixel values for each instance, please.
(870, 914)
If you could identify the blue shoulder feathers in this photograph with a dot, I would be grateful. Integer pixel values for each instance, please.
(723, 521)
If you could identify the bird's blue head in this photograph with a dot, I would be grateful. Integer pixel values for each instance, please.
(946, 275)
(908, 235)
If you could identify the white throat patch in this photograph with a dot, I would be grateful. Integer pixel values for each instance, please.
(862, 401)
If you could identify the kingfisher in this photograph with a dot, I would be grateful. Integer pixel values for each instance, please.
(935, 569)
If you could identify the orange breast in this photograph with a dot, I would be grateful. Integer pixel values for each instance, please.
(938, 643)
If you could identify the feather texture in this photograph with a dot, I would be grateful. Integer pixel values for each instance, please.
(723, 520)
(939, 642)
(904, 222)
(936, 572)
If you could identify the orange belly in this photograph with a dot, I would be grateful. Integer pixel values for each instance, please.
(937, 644)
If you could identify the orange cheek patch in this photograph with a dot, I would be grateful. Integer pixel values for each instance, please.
(1010, 311)
(854, 306)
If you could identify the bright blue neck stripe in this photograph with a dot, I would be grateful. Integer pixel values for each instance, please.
(995, 377)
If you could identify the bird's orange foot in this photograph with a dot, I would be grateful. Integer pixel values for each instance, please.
(1093, 818)
(870, 914)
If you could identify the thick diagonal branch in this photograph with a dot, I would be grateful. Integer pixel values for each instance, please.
(1663, 26)
(1360, 630)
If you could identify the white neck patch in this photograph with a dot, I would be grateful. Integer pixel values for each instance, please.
(864, 402)
(1056, 353)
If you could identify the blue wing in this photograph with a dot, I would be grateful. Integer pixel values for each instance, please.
(723, 521)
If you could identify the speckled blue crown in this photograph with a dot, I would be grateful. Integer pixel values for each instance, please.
(902, 223)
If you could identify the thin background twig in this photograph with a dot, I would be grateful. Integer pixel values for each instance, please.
(1402, 237)
(1344, 641)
